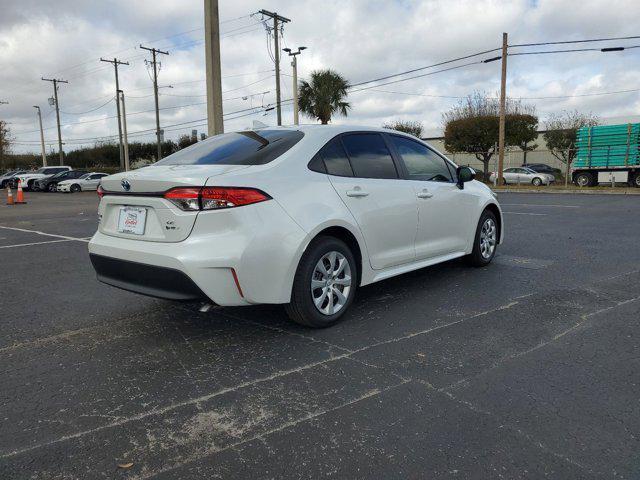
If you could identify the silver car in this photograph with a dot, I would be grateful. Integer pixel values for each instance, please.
(524, 176)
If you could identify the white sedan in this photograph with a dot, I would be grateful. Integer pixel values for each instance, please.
(298, 216)
(523, 175)
(88, 181)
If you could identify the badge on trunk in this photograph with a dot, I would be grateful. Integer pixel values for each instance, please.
(126, 186)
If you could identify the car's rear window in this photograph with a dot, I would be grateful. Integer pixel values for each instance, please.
(252, 147)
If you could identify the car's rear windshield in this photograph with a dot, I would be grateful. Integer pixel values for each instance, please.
(251, 147)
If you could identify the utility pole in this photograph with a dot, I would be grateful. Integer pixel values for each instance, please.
(214, 80)
(44, 153)
(503, 101)
(276, 53)
(154, 52)
(124, 127)
(294, 64)
(117, 62)
(56, 81)
(2, 141)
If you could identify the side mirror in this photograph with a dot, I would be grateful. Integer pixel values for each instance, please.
(465, 174)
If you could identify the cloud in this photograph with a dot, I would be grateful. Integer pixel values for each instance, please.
(361, 39)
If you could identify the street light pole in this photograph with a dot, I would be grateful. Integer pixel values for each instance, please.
(44, 153)
(294, 64)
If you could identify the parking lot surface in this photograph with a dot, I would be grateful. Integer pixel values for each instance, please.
(527, 368)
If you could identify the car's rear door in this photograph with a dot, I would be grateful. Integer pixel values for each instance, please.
(445, 212)
(366, 177)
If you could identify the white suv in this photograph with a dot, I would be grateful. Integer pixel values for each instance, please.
(297, 216)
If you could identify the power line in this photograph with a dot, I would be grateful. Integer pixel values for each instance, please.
(424, 68)
(415, 76)
(610, 49)
(575, 41)
(92, 110)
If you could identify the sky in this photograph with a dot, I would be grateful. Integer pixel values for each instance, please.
(360, 39)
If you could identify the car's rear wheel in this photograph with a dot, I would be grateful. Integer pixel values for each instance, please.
(584, 179)
(32, 185)
(324, 285)
(536, 182)
(485, 241)
(53, 187)
(75, 188)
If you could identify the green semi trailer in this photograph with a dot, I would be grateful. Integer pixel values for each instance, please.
(606, 154)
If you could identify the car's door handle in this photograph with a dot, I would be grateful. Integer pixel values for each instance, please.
(425, 194)
(357, 192)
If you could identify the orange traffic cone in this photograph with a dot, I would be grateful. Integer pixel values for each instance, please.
(9, 196)
(20, 198)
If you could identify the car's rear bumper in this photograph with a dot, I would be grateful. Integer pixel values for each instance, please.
(148, 280)
(244, 257)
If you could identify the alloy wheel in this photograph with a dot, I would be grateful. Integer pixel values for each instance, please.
(488, 238)
(331, 283)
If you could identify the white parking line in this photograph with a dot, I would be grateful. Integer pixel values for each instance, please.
(36, 243)
(527, 213)
(537, 205)
(45, 234)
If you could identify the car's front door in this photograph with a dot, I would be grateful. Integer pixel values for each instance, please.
(365, 175)
(445, 212)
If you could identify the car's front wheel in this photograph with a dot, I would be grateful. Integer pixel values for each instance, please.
(75, 188)
(53, 187)
(485, 241)
(536, 182)
(324, 285)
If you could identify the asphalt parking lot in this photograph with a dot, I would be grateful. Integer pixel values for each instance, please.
(525, 369)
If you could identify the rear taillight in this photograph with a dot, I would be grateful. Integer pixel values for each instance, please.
(100, 191)
(213, 198)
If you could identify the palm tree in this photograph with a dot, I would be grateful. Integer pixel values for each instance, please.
(324, 95)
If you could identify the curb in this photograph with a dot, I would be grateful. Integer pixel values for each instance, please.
(568, 192)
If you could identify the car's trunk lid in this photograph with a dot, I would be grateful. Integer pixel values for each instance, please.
(133, 206)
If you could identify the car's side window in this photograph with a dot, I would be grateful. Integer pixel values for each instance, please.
(332, 160)
(335, 159)
(369, 156)
(421, 162)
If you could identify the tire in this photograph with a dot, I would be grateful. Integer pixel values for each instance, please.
(584, 179)
(75, 188)
(536, 182)
(31, 185)
(636, 180)
(52, 187)
(481, 256)
(302, 308)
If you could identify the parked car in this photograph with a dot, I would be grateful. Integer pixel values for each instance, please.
(28, 179)
(300, 216)
(50, 184)
(88, 181)
(522, 175)
(6, 178)
(543, 168)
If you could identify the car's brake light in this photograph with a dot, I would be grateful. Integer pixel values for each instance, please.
(100, 191)
(213, 198)
(226, 197)
(186, 198)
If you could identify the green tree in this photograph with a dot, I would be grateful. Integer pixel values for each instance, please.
(473, 125)
(406, 126)
(520, 130)
(324, 95)
(186, 140)
(5, 143)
